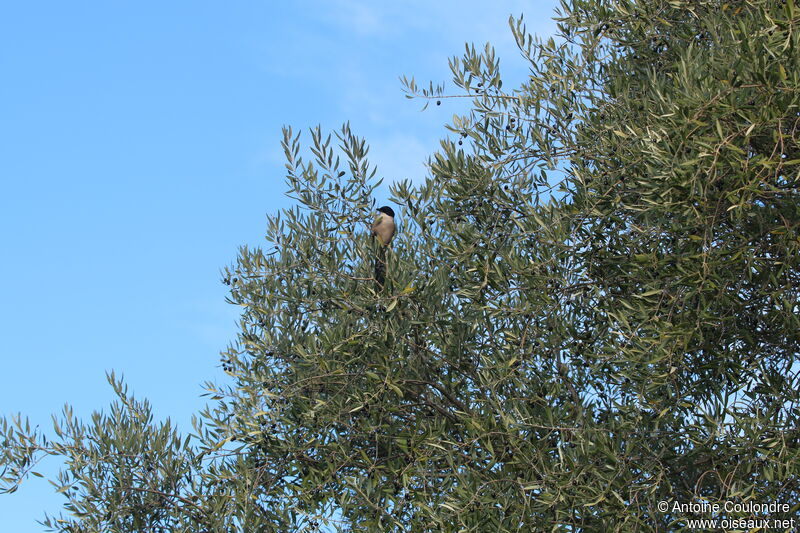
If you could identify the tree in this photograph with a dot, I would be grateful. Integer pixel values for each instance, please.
(590, 309)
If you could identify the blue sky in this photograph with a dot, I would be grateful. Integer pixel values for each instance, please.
(140, 146)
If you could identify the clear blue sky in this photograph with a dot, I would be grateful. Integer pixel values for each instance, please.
(140, 146)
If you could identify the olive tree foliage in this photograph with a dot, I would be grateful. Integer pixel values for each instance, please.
(121, 471)
(591, 306)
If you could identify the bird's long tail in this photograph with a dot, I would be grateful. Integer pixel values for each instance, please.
(380, 267)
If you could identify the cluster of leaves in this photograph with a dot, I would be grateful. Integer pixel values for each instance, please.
(122, 472)
(589, 308)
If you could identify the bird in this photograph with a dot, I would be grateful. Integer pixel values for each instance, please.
(383, 228)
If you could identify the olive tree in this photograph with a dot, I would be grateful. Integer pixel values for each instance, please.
(591, 306)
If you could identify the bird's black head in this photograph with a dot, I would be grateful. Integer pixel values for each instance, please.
(386, 210)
